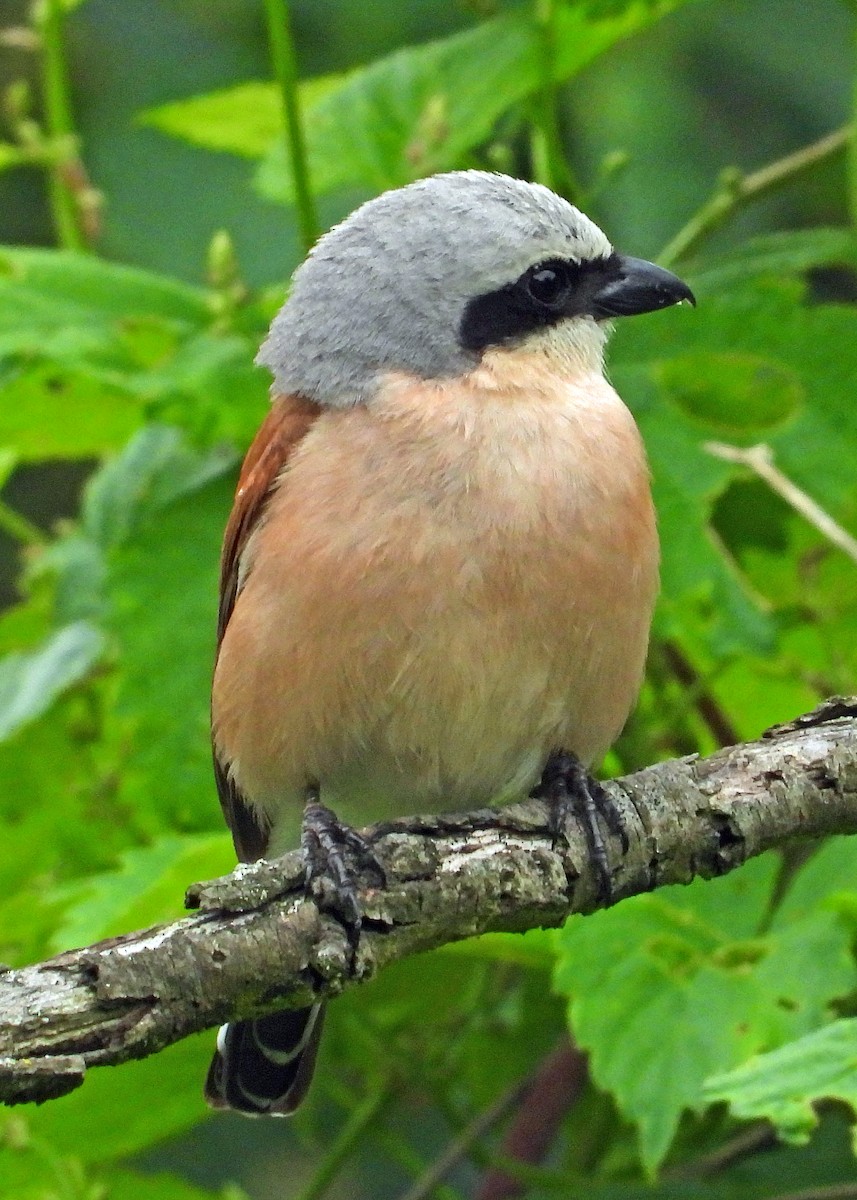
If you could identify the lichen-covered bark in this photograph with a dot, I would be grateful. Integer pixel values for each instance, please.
(255, 942)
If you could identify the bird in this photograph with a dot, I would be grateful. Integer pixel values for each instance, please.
(438, 576)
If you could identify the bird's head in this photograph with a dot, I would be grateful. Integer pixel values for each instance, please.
(424, 279)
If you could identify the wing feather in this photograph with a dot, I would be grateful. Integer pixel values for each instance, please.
(288, 422)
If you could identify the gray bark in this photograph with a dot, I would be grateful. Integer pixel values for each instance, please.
(256, 942)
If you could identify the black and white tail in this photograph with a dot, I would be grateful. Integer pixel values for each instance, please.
(264, 1067)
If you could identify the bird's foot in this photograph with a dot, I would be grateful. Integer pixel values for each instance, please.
(572, 792)
(334, 855)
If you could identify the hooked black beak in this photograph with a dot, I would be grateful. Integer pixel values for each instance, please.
(633, 285)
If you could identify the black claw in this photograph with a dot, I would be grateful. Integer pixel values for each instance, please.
(332, 851)
(363, 853)
(571, 791)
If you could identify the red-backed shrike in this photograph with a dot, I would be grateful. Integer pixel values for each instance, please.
(442, 560)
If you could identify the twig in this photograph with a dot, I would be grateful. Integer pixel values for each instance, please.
(398, 1150)
(760, 1136)
(736, 189)
(58, 120)
(459, 1146)
(258, 943)
(550, 166)
(838, 1191)
(761, 460)
(286, 70)
(554, 1089)
(19, 37)
(18, 527)
(360, 1119)
(851, 164)
(715, 718)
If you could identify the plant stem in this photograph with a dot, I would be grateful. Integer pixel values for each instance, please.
(553, 1090)
(361, 1117)
(722, 729)
(838, 1191)
(397, 1150)
(59, 122)
(285, 69)
(761, 460)
(460, 1146)
(852, 149)
(756, 1138)
(548, 156)
(736, 189)
(18, 527)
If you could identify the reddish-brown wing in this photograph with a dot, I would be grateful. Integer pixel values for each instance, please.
(288, 422)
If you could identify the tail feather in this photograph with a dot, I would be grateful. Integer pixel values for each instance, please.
(265, 1066)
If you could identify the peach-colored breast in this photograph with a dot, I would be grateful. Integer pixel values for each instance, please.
(449, 583)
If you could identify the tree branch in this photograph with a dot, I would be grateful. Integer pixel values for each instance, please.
(760, 459)
(555, 1087)
(256, 943)
(735, 189)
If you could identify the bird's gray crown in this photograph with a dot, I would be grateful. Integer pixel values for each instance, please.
(387, 289)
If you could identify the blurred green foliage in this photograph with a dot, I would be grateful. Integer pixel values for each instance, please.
(126, 354)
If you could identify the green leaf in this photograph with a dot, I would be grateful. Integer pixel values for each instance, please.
(481, 1024)
(209, 385)
(126, 759)
(778, 255)
(148, 889)
(8, 462)
(819, 1171)
(28, 918)
(664, 990)
(38, 396)
(155, 468)
(757, 690)
(708, 603)
(162, 591)
(24, 625)
(74, 568)
(783, 1086)
(10, 156)
(737, 395)
(535, 948)
(89, 348)
(54, 299)
(828, 879)
(244, 119)
(29, 683)
(59, 817)
(704, 599)
(424, 108)
(134, 1185)
(33, 1172)
(817, 445)
(131, 1107)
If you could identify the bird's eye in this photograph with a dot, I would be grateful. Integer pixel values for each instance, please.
(549, 283)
